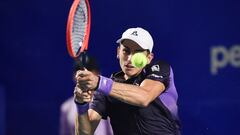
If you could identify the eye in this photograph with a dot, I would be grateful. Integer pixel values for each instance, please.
(126, 51)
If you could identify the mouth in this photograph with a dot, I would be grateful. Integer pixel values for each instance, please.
(129, 66)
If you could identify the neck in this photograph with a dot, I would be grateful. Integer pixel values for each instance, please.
(126, 77)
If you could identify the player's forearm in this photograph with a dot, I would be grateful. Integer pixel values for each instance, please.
(83, 125)
(130, 94)
(135, 95)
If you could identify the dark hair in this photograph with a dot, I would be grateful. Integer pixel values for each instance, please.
(90, 63)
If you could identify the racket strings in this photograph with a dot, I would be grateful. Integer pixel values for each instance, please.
(79, 26)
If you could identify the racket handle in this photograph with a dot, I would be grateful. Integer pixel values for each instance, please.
(82, 60)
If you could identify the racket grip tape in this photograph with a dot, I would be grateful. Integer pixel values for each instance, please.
(82, 60)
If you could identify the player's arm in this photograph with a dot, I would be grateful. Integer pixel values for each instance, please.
(87, 119)
(137, 95)
(87, 123)
(155, 82)
(141, 95)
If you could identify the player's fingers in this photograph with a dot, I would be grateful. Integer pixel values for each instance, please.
(78, 94)
(90, 92)
(77, 90)
(87, 100)
(86, 95)
(80, 73)
(84, 78)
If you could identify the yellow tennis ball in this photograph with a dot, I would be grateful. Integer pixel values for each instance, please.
(139, 60)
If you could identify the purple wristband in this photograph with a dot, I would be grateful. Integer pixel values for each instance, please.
(81, 109)
(105, 85)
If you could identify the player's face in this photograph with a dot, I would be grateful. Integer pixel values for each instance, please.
(125, 51)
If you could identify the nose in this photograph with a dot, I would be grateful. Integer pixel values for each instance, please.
(129, 57)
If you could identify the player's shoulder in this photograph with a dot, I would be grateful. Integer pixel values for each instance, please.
(157, 66)
(119, 76)
(158, 70)
(160, 63)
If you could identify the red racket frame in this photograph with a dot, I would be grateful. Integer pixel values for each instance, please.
(70, 26)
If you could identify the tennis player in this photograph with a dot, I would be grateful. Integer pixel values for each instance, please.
(139, 101)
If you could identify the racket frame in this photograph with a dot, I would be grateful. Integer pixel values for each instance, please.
(70, 26)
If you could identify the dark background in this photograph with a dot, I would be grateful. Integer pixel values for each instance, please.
(36, 70)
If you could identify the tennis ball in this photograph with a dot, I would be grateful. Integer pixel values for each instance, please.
(139, 60)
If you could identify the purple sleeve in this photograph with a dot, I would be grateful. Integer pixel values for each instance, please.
(104, 128)
(163, 72)
(169, 96)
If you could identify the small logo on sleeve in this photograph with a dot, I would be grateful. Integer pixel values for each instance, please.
(155, 68)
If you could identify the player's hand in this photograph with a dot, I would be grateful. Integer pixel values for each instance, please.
(86, 79)
(82, 96)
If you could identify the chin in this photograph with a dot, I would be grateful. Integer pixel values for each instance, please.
(131, 73)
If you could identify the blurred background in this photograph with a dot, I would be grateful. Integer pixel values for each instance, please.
(199, 38)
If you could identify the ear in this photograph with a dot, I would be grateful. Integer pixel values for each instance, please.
(150, 57)
(118, 49)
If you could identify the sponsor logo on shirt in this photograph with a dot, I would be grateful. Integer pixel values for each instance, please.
(156, 76)
(155, 68)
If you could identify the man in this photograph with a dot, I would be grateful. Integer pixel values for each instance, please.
(139, 101)
(69, 111)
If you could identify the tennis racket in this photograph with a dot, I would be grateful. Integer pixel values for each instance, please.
(78, 30)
